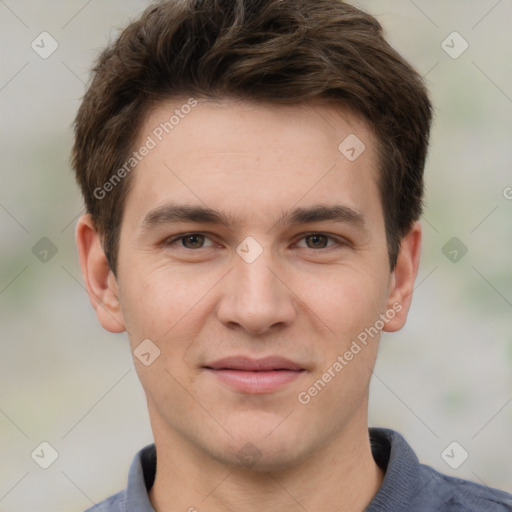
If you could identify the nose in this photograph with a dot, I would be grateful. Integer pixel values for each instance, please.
(256, 296)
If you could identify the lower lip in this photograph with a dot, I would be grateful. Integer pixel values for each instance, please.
(256, 382)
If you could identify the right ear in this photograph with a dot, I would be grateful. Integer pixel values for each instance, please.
(100, 281)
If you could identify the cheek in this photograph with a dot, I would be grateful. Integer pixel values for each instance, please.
(345, 300)
(170, 308)
(156, 299)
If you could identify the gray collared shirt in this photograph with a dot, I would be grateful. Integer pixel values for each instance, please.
(408, 486)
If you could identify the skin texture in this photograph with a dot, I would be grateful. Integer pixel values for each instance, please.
(302, 298)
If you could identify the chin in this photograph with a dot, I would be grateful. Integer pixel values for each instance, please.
(260, 459)
(255, 450)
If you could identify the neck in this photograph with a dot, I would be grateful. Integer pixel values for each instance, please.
(342, 476)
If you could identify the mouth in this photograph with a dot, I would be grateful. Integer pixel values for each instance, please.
(255, 376)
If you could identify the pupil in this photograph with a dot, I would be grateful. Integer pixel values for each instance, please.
(194, 241)
(318, 240)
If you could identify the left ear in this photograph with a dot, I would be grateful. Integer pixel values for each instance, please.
(403, 277)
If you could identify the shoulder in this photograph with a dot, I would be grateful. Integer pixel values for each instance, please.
(116, 503)
(411, 486)
(458, 495)
(140, 478)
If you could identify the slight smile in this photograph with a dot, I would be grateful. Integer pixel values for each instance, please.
(255, 376)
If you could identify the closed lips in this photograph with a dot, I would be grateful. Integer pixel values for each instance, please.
(241, 363)
(255, 376)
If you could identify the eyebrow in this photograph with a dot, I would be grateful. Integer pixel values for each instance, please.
(170, 213)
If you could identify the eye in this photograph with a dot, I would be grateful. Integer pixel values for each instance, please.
(193, 241)
(318, 241)
(190, 241)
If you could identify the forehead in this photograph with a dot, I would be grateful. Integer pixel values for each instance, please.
(252, 159)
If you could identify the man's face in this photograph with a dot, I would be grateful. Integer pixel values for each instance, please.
(273, 283)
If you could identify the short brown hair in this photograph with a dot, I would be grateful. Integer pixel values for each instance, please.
(284, 52)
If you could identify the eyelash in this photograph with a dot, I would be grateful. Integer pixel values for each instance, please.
(171, 241)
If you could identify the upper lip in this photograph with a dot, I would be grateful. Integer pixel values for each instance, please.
(249, 364)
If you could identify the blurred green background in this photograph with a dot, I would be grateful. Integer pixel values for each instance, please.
(445, 377)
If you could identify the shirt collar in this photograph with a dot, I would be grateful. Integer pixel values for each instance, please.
(140, 480)
(394, 456)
